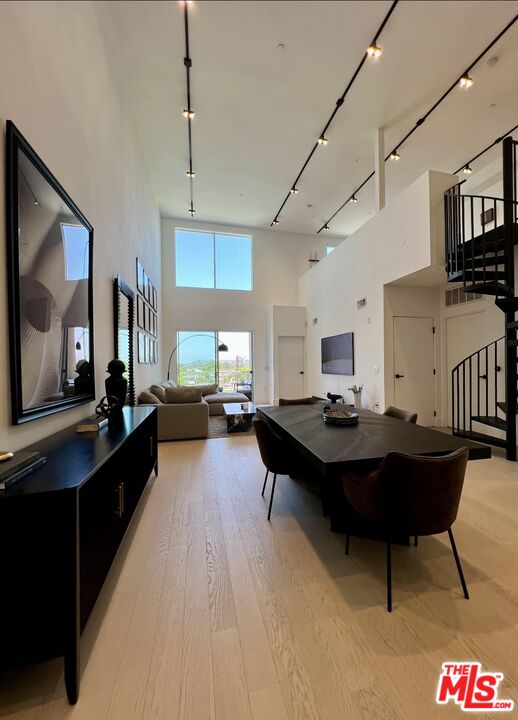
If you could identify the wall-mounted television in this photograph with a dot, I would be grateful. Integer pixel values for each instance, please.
(338, 354)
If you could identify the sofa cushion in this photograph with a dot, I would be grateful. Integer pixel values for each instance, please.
(159, 391)
(182, 395)
(208, 389)
(226, 397)
(147, 398)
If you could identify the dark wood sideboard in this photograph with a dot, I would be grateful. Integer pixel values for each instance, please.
(60, 529)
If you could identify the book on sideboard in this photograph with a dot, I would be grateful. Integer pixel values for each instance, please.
(18, 467)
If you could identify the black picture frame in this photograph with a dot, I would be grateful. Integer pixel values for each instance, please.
(140, 312)
(123, 296)
(140, 276)
(84, 392)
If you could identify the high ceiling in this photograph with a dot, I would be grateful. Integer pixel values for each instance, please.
(265, 78)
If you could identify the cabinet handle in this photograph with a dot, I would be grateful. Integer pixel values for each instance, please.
(123, 497)
(151, 447)
(120, 500)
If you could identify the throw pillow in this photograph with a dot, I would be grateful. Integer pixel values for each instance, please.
(147, 398)
(159, 391)
(183, 395)
(208, 389)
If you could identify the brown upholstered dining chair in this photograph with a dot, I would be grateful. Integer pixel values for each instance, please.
(273, 454)
(410, 495)
(404, 415)
(297, 401)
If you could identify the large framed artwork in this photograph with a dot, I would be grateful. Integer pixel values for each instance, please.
(50, 265)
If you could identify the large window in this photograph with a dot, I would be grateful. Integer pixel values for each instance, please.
(213, 260)
(200, 362)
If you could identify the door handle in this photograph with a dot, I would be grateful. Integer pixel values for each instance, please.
(399, 376)
(483, 377)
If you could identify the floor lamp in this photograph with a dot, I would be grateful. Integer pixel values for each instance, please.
(221, 348)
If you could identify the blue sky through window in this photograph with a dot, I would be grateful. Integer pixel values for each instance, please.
(213, 260)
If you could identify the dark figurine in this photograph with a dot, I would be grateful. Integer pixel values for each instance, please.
(82, 383)
(117, 385)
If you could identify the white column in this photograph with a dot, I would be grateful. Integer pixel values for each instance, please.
(379, 168)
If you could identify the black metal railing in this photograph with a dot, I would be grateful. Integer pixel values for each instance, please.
(477, 386)
(475, 239)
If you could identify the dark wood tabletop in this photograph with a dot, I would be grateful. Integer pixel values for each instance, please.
(370, 440)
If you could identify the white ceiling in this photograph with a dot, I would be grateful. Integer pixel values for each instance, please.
(259, 109)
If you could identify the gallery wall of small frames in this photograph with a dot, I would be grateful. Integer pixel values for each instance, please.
(147, 318)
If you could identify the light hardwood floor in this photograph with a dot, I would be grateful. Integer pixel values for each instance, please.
(212, 613)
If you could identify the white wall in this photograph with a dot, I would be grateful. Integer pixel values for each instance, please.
(282, 322)
(57, 87)
(278, 261)
(404, 238)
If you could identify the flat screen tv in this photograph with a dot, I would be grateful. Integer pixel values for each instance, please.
(338, 354)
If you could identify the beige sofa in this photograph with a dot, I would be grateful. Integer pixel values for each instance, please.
(185, 413)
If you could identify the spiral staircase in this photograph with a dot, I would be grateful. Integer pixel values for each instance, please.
(481, 234)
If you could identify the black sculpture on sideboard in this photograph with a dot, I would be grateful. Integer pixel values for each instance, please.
(116, 384)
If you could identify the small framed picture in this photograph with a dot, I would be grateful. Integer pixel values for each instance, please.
(155, 298)
(140, 277)
(141, 347)
(140, 312)
(154, 325)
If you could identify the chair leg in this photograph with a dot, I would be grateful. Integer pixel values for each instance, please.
(271, 496)
(347, 540)
(389, 576)
(264, 484)
(415, 540)
(459, 566)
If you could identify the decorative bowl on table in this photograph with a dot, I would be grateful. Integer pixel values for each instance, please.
(339, 416)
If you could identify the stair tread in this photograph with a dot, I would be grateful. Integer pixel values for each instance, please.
(496, 288)
(481, 437)
(507, 304)
(491, 421)
(503, 407)
(512, 325)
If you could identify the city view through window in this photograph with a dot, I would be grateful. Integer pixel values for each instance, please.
(200, 363)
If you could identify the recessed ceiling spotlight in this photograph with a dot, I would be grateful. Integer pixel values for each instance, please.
(322, 140)
(467, 170)
(466, 81)
(394, 155)
(281, 46)
(188, 113)
(374, 51)
(294, 190)
(36, 202)
(191, 173)
(354, 199)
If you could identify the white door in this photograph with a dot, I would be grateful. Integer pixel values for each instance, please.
(414, 379)
(290, 366)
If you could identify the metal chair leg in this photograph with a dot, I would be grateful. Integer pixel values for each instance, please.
(389, 576)
(459, 566)
(347, 540)
(264, 484)
(271, 496)
(415, 540)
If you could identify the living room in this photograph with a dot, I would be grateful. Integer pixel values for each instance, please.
(295, 225)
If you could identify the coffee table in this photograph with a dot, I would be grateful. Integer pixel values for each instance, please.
(239, 416)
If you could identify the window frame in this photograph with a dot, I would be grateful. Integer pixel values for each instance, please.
(214, 235)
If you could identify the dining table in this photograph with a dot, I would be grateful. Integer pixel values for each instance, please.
(331, 451)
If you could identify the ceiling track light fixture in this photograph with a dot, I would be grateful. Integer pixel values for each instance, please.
(188, 112)
(294, 190)
(466, 81)
(354, 199)
(322, 140)
(483, 152)
(275, 222)
(430, 111)
(394, 155)
(326, 227)
(374, 51)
